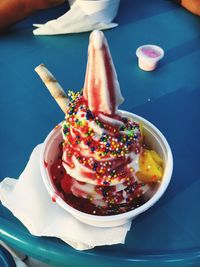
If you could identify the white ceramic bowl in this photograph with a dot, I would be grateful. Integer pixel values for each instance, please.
(153, 137)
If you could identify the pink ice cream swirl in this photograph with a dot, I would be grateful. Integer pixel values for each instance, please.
(101, 147)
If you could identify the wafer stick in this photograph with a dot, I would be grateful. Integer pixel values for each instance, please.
(53, 86)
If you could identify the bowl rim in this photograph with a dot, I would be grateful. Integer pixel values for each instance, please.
(126, 215)
(140, 54)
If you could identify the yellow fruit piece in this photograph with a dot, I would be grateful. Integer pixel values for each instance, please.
(141, 128)
(150, 167)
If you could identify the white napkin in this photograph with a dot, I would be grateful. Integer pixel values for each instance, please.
(28, 200)
(83, 16)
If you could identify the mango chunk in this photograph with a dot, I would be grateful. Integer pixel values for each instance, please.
(150, 167)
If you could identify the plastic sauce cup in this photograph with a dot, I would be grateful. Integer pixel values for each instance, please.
(148, 56)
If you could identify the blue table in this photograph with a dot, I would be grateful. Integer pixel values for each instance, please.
(6, 259)
(169, 233)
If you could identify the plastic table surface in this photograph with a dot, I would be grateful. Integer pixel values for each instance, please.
(6, 259)
(169, 233)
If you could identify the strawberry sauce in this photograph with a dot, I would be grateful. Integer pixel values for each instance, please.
(63, 182)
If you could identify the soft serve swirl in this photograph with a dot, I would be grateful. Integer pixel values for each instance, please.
(98, 148)
(101, 152)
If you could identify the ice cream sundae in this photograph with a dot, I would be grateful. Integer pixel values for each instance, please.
(104, 166)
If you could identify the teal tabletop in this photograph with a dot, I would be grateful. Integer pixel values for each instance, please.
(169, 233)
